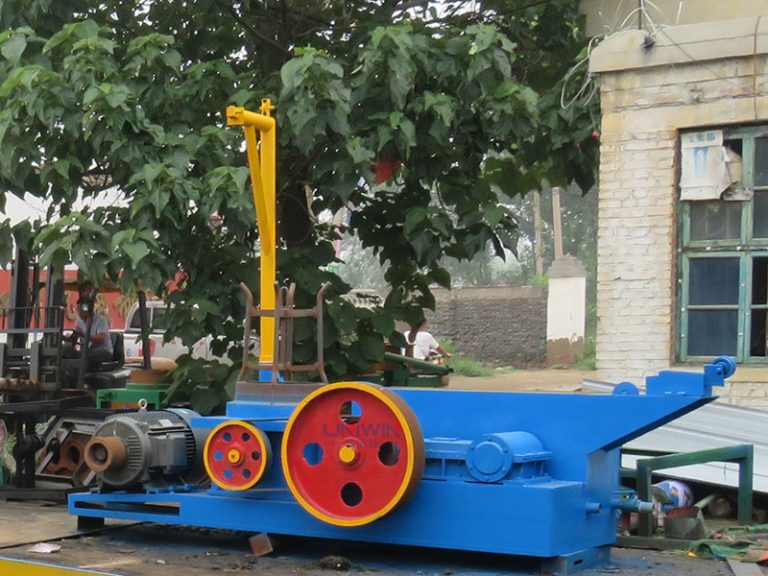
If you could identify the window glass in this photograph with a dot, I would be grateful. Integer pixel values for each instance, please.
(712, 332)
(760, 215)
(757, 339)
(713, 281)
(715, 220)
(159, 321)
(761, 162)
(760, 280)
(136, 320)
(735, 144)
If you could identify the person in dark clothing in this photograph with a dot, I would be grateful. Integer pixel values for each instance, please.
(99, 343)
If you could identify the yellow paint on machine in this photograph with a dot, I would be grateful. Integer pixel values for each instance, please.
(13, 567)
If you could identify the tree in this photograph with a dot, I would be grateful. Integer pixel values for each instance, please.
(416, 114)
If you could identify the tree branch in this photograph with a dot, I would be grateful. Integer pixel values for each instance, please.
(251, 30)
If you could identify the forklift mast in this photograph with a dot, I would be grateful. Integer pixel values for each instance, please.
(29, 358)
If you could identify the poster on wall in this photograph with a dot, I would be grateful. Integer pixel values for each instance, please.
(708, 167)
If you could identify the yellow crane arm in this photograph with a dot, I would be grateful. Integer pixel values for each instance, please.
(262, 153)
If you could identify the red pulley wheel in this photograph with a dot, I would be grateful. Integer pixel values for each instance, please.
(236, 455)
(352, 452)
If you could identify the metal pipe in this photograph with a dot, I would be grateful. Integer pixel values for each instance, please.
(416, 363)
(145, 350)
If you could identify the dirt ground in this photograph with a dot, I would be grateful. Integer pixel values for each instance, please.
(566, 380)
(157, 550)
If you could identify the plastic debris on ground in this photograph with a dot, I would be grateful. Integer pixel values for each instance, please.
(743, 543)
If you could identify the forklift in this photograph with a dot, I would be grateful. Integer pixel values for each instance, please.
(50, 421)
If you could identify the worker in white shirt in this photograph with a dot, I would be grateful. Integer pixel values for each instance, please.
(424, 344)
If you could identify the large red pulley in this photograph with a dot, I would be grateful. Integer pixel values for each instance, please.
(236, 455)
(352, 452)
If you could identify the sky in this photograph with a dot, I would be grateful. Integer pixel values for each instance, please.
(19, 210)
(31, 207)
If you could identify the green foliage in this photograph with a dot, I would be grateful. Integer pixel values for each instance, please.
(587, 361)
(541, 281)
(417, 119)
(465, 366)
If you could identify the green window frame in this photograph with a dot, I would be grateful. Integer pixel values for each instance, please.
(723, 264)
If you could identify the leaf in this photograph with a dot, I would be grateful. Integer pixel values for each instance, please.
(383, 322)
(13, 48)
(122, 236)
(151, 171)
(292, 72)
(240, 176)
(422, 244)
(358, 153)
(204, 400)
(441, 277)
(409, 132)
(506, 89)
(172, 59)
(372, 346)
(62, 167)
(442, 223)
(136, 251)
(90, 95)
(493, 215)
(414, 219)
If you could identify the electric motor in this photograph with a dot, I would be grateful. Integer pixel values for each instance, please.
(145, 447)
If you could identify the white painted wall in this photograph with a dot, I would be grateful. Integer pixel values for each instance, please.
(566, 308)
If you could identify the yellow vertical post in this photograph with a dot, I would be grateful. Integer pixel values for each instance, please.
(262, 159)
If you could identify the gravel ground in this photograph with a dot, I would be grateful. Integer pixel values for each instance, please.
(149, 550)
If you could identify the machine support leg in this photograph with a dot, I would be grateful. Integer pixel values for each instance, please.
(572, 563)
(742, 454)
(88, 523)
(746, 476)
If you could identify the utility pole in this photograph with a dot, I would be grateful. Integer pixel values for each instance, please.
(557, 222)
(538, 252)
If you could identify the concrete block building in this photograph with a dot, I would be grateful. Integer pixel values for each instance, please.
(683, 201)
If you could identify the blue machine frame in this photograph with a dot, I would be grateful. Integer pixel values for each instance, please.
(510, 473)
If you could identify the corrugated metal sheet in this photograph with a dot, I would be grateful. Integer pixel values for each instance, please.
(712, 426)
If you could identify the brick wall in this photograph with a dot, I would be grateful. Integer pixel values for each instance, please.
(686, 80)
(501, 326)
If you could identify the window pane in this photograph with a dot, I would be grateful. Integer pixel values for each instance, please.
(757, 334)
(159, 321)
(712, 332)
(715, 220)
(713, 281)
(760, 215)
(136, 320)
(761, 161)
(760, 280)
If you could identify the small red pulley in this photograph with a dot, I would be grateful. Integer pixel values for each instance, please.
(236, 455)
